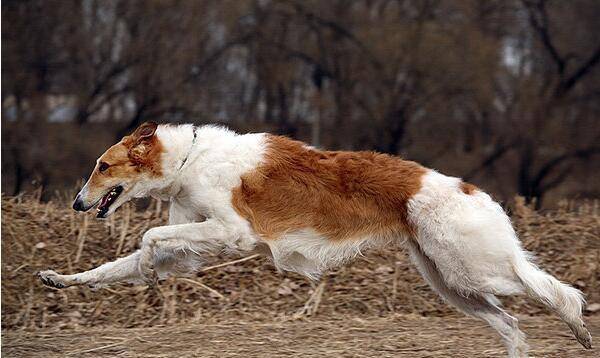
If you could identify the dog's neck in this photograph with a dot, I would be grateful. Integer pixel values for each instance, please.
(177, 142)
(183, 146)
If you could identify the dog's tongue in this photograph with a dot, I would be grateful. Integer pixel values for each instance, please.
(104, 200)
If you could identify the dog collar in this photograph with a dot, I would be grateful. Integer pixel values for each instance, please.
(190, 150)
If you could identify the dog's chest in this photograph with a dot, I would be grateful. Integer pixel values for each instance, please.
(183, 212)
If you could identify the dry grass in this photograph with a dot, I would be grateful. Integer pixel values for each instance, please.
(391, 336)
(38, 236)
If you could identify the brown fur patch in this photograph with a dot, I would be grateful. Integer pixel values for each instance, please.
(145, 155)
(144, 148)
(468, 188)
(339, 194)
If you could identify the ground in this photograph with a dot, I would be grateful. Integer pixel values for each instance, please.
(398, 336)
(378, 306)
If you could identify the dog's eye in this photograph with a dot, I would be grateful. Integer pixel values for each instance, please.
(103, 166)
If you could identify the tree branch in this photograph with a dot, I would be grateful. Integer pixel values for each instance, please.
(340, 30)
(585, 68)
(497, 154)
(552, 164)
(538, 18)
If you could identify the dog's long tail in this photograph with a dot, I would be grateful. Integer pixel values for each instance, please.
(565, 300)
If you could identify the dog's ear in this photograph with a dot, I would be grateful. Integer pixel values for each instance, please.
(140, 141)
(144, 132)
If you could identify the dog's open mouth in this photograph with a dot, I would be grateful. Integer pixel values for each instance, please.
(107, 200)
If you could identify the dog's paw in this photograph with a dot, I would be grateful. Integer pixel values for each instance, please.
(149, 276)
(51, 279)
(146, 267)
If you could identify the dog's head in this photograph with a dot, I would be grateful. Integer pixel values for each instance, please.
(128, 169)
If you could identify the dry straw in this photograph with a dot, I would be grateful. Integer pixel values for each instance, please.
(38, 236)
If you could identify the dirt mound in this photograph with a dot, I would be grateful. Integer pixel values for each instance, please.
(38, 236)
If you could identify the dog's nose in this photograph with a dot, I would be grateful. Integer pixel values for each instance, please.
(78, 204)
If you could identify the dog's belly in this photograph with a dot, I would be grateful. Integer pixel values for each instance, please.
(309, 253)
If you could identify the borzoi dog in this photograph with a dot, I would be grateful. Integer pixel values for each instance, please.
(310, 210)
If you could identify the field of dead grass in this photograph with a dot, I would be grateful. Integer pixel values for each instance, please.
(407, 336)
(37, 235)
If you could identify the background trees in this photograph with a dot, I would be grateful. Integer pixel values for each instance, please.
(504, 93)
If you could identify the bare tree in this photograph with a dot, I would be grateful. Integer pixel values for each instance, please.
(504, 93)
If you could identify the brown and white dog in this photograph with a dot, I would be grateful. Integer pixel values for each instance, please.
(311, 210)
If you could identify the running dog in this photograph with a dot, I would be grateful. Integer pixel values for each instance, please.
(310, 210)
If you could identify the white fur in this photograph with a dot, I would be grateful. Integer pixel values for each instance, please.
(470, 236)
(309, 253)
(468, 251)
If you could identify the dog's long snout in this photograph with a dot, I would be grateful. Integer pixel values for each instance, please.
(78, 203)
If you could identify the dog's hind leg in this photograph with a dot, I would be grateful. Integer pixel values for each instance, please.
(482, 306)
(565, 300)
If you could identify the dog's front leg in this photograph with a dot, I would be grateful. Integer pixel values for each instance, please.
(124, 269)
(210, 236)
